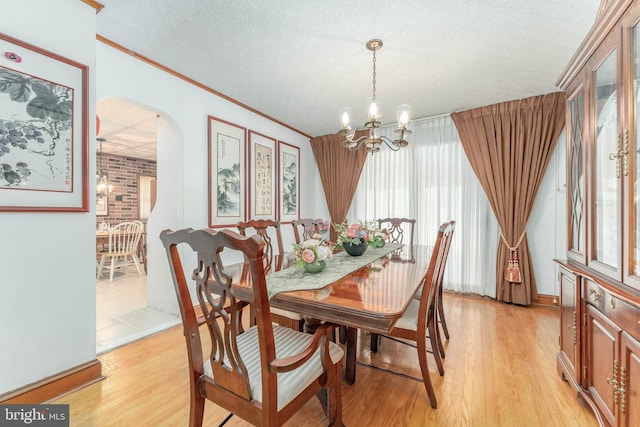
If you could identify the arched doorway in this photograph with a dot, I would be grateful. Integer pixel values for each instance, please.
(128, 159)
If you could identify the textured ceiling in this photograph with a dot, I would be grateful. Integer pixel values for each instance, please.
(300, 61)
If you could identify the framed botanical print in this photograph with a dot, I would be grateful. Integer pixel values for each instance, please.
(44, 130)
(262, 176)
(227, 173)
(288, 182)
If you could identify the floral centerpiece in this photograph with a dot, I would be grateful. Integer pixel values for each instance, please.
(355, 238)
(313, 253)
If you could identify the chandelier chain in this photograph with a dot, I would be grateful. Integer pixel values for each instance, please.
(374, 74)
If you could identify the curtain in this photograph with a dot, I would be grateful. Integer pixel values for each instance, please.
(339, 172)
(432, 181)
(509, 146)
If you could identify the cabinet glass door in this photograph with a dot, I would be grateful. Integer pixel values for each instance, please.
(576, 176)
(606, 173)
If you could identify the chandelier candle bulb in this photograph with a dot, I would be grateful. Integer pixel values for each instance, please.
(345, 117)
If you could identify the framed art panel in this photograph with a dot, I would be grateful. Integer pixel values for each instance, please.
(44, 135)
(102, 207)
(288, 182)
(262, 176)
(227, 172)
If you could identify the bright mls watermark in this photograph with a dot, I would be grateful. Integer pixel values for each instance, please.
(34, 415)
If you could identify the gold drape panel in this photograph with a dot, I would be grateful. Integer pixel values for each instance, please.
(509, 146)
(340, 171)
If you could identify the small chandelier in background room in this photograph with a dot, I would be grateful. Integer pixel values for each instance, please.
(373, 141)
(103, 186)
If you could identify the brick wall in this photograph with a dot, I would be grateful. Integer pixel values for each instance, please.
(123, 174)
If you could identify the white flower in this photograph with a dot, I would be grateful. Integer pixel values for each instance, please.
(323, 252)
(311, 243)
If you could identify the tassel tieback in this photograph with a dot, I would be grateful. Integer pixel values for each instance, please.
(513, 274)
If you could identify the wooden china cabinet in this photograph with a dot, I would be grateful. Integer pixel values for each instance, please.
(600, 279)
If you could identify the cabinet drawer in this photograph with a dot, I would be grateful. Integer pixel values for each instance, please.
(623, 314)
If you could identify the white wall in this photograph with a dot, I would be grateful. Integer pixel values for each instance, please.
(47, 261)
(547, 226)
(182, 154)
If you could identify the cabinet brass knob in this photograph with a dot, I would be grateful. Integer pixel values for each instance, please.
(594, 295)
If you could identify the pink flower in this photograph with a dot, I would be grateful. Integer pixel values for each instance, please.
(357, 226)
(350, 233)
(317, 236)
(308, 256)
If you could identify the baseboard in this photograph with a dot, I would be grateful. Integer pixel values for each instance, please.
(547, 300)
(57, 385)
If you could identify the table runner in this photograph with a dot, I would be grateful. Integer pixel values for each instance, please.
(297, 279)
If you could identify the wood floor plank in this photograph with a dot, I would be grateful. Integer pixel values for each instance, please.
(500, 371)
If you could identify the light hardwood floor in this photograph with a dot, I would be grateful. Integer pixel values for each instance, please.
(500, 371)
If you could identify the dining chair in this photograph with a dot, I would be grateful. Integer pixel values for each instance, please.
(269, 230)
(304, 229)
(440, 315)
(263, 374)
(124, 239)
(400, 230)
(417, 324)
(440, 319)
(396, 229)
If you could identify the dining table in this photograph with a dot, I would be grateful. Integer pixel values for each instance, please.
(370, 292)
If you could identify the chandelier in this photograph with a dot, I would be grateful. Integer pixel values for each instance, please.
(373, 141)
(103, 186)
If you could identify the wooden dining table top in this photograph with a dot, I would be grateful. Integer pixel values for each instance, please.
(372, 297)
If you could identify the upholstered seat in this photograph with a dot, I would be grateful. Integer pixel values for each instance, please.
(287, 343)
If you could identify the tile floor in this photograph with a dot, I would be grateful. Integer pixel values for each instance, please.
(122, 315)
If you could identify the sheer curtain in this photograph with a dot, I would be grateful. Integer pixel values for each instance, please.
(432, 181)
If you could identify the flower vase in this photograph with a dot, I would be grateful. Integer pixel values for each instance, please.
(355, 250)
(314, 267)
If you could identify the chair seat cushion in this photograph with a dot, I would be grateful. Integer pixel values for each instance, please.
(409, 319)
(288, 342)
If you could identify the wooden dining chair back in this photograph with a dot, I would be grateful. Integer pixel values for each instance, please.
(304, 229)
(418, 321)
(440, 314)
(263, 375)
(124, 240)
(399, 230)
(267, 230)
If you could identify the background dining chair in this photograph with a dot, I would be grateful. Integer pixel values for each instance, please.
(304, 229)
(124, 239)
(418, 323)
(269, 230)
(398, 229)
(266, 373)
